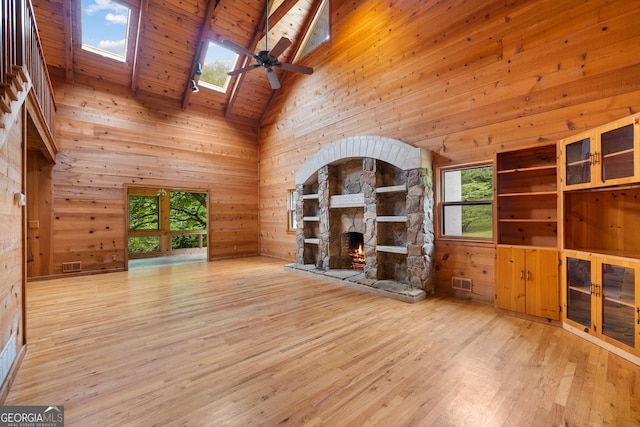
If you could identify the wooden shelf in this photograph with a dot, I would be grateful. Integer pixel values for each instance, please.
(312, 241)
(578, 162)
(620, 254)
(599, 221)
(392, 249)
(529, 194)
(392, 189)
(620, 301)
(529, 169)
(310, 196)
(531, 158)
(535, 180)
(311, 219)
(581, 290)
(391, 219)
(527, 220)
(618, 153)
(340, 201)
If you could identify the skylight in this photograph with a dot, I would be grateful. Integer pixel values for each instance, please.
(217, 62)
(318, 32)
(105, 28)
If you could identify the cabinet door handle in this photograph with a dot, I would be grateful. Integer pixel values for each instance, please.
(528, 275)
(591, 159)
(597, 290)
(597, 155)
(638, 314)
(592, 288)
(521, 274)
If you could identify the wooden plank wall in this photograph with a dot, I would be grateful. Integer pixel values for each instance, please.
(108, 140)
(12, 268)
(463, 79)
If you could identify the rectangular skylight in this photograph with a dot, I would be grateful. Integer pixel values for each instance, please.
(217, 62)
(105, 28)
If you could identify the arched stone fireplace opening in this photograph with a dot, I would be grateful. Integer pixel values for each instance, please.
(374, 193)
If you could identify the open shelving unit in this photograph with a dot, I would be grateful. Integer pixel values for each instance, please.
(527, 197)
(391, 214)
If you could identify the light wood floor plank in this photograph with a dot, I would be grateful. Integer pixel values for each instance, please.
(245, 343)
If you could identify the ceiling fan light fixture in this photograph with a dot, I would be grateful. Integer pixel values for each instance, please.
(266, 58)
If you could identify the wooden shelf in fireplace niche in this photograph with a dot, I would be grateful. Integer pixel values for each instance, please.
(314, 241)
(397, 218)
(309, 197)
(311, 219)
(392, 249)
(347, 201)
(392, 189)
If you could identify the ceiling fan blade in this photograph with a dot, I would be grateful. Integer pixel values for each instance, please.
(280, 47)
(273, 78)
(242, 70)
(295, 68)
(237, 48)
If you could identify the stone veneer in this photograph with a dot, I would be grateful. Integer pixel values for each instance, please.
(406, 253)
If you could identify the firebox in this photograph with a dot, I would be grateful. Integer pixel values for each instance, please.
(352, 250)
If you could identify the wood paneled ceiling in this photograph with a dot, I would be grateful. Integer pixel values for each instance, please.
(165, 40)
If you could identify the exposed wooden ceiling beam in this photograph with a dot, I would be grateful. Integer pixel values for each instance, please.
(68, 40)
(259, 33)
(202, 40)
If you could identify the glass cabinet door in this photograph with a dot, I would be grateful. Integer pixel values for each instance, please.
(579, 289)
(578, 159)
(618, 303)
(616, 156)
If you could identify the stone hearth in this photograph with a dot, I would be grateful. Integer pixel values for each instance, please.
(356, 279)
(379, 188)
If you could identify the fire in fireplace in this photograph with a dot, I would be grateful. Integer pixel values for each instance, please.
(357, 258)
(352, 250)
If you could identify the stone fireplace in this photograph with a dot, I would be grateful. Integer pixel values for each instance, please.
(365, 215)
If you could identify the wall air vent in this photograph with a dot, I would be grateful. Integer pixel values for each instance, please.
(7, 357)
(72, 267)
(461, 283)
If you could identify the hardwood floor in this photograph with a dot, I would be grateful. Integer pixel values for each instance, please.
(244, 343)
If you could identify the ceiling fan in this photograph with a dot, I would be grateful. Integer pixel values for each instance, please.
(267, 59)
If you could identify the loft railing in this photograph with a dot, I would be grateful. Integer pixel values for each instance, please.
(21, 50)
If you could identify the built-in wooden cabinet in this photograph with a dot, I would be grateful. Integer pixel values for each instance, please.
(602, 297)
(526, 223)
(527, 281)
(600, 244)
(608, 155)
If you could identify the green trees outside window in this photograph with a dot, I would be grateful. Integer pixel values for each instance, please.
(467, 207)
(162, 221)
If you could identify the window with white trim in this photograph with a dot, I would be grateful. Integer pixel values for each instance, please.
(466, 205)
(292, 198)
